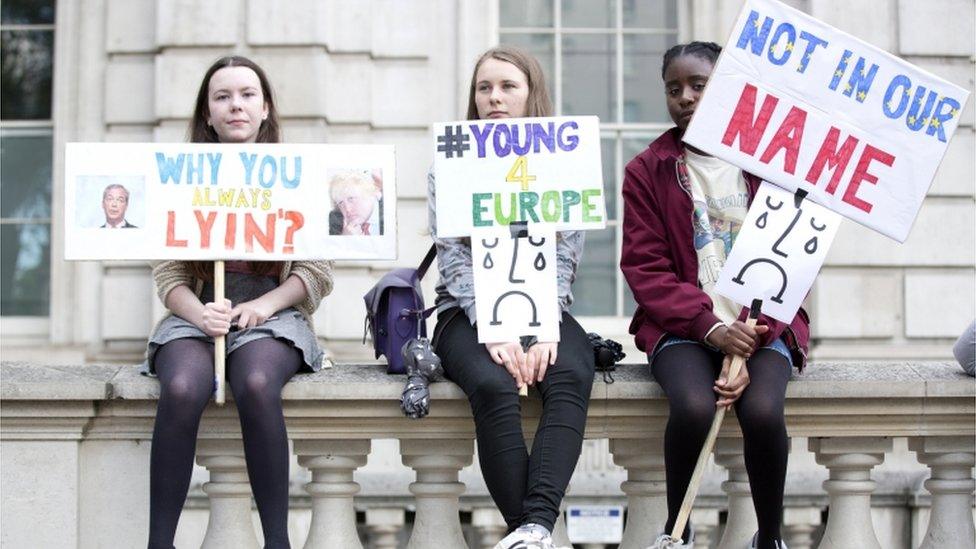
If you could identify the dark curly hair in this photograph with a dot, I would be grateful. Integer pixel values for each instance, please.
(705, 50)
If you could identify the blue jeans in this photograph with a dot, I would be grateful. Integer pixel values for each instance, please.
(778, 345)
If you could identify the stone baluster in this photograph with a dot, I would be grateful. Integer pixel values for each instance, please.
(384, 525)
(799, 524)
(647, 507)
(741, 523)
(489, 525)
(951, 460)
(332, 463)
(437, 463)
(705, 522)
(849, 487)
(229, 491)
(560, 534)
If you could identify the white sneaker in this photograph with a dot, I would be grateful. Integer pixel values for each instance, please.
(665, 541)
(527, 537)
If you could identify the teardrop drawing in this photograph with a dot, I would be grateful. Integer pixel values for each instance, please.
(811, 245)
(761, 222)
(489, 262)
(540, 262)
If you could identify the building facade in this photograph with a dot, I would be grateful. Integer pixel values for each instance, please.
(380, 71)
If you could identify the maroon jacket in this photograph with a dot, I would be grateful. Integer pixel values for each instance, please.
(660, 262)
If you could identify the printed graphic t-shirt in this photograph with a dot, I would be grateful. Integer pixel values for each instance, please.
(721, 199)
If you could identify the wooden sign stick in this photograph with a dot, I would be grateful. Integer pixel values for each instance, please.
(706, 451)
(220, 342)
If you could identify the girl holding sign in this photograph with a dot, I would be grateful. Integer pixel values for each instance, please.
(682, 211)
(527, 488)
(267, 321)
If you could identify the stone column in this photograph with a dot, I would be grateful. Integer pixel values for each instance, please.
(437, 489)
(951, 460)
(647, 507)
(332, 463)
(383, 525)
(799, 524)
(230, 495)
(849, 487)
(741, 523)
(705, 523)
(489, 525)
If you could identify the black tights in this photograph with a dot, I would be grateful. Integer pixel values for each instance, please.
(256, 373)
(687, 373)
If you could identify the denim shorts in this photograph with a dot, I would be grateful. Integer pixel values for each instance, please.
(778, 345)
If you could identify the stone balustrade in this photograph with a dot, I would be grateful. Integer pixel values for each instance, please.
(74, 448)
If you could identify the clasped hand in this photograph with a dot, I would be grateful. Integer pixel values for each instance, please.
(526, 367)
(217, 318)
(736, 339)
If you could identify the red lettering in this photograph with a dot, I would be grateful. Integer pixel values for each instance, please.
(206, 225)
(829, 156)
(171, 241)
(230, 237)
(861, 174)
(253, 232)
(787, 138)
(741, 125)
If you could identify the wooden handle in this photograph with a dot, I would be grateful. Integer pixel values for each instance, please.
(220, 342)
(524, 391)
(696, 477)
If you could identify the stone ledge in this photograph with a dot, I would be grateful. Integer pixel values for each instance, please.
(870, 380)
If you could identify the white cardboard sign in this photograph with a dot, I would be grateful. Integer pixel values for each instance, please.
(200, 201)
(806, 106)
(778, 252)
(515, 284)
(493, 173)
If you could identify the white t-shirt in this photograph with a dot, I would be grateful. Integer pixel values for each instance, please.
(721, 199)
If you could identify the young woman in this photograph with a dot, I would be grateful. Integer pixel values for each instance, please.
(527, 488)
(682, 210)
(267, 318)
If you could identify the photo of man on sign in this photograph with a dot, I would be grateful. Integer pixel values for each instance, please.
(357, 199)
(115, 201)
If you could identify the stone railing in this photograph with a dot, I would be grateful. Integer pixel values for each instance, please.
(74, 446)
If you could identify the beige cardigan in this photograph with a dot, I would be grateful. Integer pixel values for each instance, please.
(317, 276)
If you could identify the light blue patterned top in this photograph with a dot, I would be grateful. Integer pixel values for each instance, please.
(456, 286)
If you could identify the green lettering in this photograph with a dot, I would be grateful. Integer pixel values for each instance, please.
(500, 217)
(551, 207)
(527, 203)
(570, 198)
(477, 210)
(587, 194)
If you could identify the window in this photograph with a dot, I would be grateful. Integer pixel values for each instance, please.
(26, 132)
(601, 57)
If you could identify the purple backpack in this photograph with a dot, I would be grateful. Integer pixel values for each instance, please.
(395, 312)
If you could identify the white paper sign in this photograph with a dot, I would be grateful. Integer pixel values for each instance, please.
(492, 173)
(804, 105)
(778, 252)
(515, 284)
(595, 523)
(202, 201)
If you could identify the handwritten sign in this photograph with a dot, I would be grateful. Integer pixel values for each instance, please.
(779, 251)
(220, 201)
(515, 283)
(806, 106)
(493, 173)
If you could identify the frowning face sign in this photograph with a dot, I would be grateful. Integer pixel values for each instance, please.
(779, 251)
(515, 283)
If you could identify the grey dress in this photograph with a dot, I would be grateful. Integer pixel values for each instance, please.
(287, 325)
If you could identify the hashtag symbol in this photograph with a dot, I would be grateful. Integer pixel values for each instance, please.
(453, 141)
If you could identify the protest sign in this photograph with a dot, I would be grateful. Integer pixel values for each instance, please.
(538, 170)
(806, 106)
(204, 201)
(515, 283)
(778, 252)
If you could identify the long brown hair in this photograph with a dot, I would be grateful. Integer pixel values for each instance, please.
(201, 132)
(537, 103)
